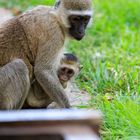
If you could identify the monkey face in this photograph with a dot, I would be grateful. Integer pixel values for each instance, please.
(65, 74)
(78, 25)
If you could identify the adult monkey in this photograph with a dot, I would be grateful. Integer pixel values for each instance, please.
(31, 45)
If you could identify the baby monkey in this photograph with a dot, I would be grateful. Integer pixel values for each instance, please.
(69, 68)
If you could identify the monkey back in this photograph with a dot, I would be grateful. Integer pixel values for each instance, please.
(14, 44)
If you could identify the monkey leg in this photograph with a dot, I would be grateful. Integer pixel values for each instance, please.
(53, 105)
(37, 98)
(14, 84)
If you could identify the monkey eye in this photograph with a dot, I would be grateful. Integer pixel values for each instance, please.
(74, 19)
(86, 18)
(70, 72)
(63, 69)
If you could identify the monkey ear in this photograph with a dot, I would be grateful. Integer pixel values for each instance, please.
(91, 19)
(57, 3)
(90, 22)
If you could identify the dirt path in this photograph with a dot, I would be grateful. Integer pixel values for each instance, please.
(77, 97)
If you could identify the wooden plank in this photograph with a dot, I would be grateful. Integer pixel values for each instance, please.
(49, 115)
(69, 124)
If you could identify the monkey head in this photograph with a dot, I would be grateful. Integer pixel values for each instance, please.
(69, 68)
(75, 16)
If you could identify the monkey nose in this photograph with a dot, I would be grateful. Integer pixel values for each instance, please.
(64, 78)
(81, 33)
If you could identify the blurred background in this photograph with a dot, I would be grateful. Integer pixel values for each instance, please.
(110, 55)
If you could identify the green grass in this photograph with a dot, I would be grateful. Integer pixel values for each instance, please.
(110, 54)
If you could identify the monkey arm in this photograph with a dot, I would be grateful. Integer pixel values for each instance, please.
(50, 40)
(51, 85)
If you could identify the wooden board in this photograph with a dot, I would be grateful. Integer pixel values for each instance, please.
(50, 124)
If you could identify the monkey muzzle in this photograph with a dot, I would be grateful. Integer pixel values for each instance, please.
(64, 78)
(79, 36)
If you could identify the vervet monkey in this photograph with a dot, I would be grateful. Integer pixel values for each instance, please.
(69, 68)
(31, 46)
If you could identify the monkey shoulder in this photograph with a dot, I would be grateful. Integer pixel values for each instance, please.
(42, 8)
(39, 23)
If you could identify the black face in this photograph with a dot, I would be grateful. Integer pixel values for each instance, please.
(78, 26)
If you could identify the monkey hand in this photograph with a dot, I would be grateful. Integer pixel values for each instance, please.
(53, 105)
